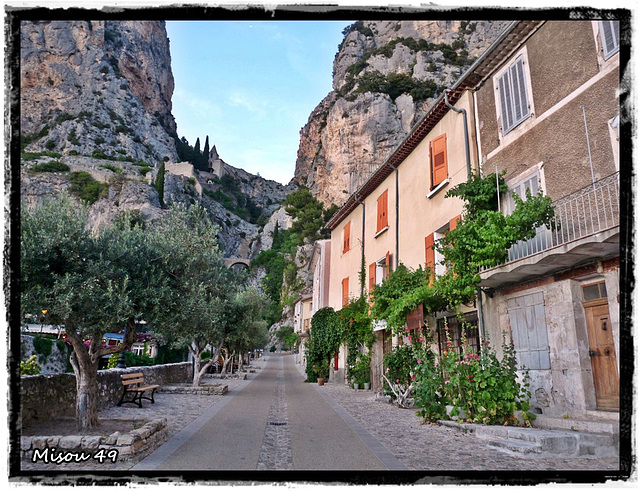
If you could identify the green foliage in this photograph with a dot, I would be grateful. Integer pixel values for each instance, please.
(51, 166)
(30, 367)
(43, 346)
(307, 214)
(287, 336)
(484, 235)
(403, 291)
(325, 338)
(482, 387)
(87, 281)
(112, 168)
(395, 84)
(28, 156)
(86, 188)
(360, 371)
(159, 184)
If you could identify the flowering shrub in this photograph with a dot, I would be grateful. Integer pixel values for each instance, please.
(30, 367)
(403, 364)
(480, 387)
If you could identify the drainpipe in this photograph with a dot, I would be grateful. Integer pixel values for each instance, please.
(397, 258)
(361, 242)
(468, 156)
(466, 131)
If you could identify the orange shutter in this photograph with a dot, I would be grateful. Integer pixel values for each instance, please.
(430, 262)
(345, 292)
(382, 211)
(346, 237)
(438, 163)
(372, 281)
(387, 263)
(453, 223)
(372, 276)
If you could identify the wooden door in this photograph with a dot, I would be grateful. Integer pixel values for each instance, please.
(603, 355)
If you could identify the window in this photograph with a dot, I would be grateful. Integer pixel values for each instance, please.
(529, 331)
(379, 271)
(345, 292)
(542, 239)
(512, 95)
(468, 327)
(610, 37)
(433, 258)
(594, 292)
(346, 238)
(383, 220)
(438, 160)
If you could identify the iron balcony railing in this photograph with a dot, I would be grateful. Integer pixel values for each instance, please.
(590, 210)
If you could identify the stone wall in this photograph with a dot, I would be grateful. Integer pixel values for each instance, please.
(52, 396)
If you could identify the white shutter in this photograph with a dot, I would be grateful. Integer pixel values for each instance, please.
(514, 102)
(610, 35)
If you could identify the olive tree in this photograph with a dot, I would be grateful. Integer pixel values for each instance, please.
(90, 282)
(199, 312)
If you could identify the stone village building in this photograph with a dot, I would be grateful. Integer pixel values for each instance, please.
(542, 104)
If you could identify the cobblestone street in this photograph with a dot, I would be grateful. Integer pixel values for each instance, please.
(416, 447)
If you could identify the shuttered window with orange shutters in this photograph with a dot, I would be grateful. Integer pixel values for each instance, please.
(346, 238)
(438, 160)
(345, 292)
(383, 220)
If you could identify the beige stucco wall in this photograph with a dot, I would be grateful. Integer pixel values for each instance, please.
(419, 216)
(347, 264)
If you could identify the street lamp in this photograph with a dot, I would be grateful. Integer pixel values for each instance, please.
(44, 313)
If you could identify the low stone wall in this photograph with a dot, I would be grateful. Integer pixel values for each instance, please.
(44, 397)
(215, 389)
(115, 447)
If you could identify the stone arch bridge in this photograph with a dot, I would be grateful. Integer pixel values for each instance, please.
(237, 262)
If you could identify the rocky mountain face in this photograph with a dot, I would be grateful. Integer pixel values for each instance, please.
(96, 100)
(386, 75)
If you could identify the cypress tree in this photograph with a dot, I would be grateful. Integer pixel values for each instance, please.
(205, 155)
(159, 184)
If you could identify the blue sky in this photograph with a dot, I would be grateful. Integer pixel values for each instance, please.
(251, 86)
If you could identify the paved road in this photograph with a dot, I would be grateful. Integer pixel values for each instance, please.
(275, 422)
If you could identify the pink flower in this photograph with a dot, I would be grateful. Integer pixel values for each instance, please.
(387, 371)
(397, 381)
(409, 337)
(419, 360)
(446, 381)
(413, 378)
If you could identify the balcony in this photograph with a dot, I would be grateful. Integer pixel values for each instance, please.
(587, 226)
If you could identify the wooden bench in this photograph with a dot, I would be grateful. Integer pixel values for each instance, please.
(134, 384)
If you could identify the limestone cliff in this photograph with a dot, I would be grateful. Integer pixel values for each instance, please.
(95, 98)
(386, 75)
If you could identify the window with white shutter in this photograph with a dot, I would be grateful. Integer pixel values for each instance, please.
(513, 98)
(610, 37)
(529, 331)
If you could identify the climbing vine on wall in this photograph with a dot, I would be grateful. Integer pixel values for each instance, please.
(481, 238)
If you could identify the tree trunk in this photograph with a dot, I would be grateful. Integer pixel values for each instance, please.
(86, 371)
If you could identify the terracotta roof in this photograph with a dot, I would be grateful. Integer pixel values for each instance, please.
(510, 39)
